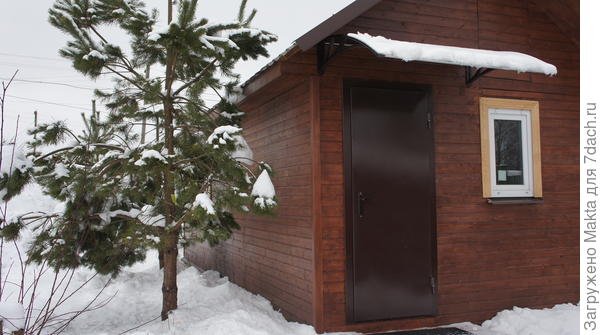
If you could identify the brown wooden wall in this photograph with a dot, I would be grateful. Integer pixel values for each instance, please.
(273, 256)
(490, 257)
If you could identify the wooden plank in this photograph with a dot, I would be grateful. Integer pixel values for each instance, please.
(537, 152)
(314, 92)
(484, 105)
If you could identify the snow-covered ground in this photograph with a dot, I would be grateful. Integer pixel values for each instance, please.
(208, 304)
(212, 305)
(559, 320)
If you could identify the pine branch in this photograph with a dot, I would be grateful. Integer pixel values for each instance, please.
(125, 61)
(102, 145)
(196, 79)
(119, 74)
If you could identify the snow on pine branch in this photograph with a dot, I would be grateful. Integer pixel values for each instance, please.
(264, 191)
(243, 152)
(252, 32)
(107, 216)
(226, 40)
(20, 162)
(158, 30)
(60, 170)
(478, 58)
(144, 216)
(112, 154)
(150, 154)
(203, 200)
(207, 44)
(95, 54)
(234, 96)
(222, 135)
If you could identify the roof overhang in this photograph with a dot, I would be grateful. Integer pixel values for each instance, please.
(564, 13)
(333, 23)
(477, 62)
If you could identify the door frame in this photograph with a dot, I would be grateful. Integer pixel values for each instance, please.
(347, 86)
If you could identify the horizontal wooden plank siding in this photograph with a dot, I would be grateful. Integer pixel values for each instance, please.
(489, 257)
(273, 255)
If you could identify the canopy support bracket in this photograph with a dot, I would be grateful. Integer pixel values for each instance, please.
(330, 47)
(472, 74)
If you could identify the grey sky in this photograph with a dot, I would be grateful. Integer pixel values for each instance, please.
(29, 43)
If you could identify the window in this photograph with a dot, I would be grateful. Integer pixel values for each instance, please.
(510, 148)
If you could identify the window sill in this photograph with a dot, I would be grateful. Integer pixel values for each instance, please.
(515, 201)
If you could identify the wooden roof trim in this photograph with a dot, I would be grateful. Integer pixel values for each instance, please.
(334, 23)
(256, 81)
(312, 37)
(266, 75)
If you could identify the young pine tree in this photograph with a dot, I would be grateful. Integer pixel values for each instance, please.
(126, 192)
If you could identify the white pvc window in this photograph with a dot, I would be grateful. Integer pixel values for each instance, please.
(511, 173)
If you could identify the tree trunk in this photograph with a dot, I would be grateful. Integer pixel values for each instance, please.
(170, 237)
(161, 259)
(169, 288)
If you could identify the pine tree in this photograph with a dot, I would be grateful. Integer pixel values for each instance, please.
(123, 195)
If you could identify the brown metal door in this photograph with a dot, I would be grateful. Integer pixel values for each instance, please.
(390, 202)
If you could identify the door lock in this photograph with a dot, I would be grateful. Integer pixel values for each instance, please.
(361, 199)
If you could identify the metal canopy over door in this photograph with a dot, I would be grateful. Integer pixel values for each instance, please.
(390, 202)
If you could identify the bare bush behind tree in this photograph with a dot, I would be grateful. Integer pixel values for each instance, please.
(34, 298)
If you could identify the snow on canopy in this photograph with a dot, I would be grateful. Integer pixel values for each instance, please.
(478, 58)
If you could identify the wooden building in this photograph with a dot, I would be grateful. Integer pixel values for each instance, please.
(413, 193)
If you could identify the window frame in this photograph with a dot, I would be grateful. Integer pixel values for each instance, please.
(527, 112)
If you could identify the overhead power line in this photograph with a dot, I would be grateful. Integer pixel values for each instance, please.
(63, 104)
(53, 83)
(55, 59)
(49, 102)
(37, 66)
(210, 95)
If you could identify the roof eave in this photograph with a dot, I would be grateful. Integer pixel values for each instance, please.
(267, 74)
(334, 23)
(314, 36)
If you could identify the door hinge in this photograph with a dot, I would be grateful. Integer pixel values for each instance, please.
(432, 283)
(429, 121)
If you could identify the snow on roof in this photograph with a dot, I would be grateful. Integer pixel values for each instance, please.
(478, 58)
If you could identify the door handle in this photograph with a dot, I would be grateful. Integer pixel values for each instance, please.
(361, 199)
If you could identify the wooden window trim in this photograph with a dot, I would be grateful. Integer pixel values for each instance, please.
(485, 104)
